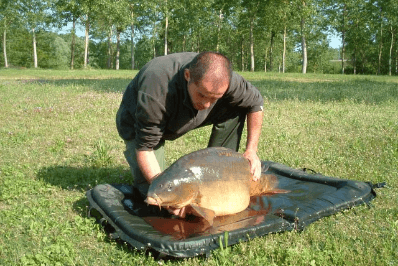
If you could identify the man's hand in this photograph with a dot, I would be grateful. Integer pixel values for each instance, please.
(178, 212)
(255, 164)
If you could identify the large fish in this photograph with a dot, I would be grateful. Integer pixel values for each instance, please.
(213, 181)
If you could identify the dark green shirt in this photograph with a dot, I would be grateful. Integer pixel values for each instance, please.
(156, 105)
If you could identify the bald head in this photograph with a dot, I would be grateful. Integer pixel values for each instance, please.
(214, 67)
(208, 79)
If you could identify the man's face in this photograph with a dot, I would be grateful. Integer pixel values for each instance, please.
(205, 93)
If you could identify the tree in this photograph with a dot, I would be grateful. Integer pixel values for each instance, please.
(33, 14)
(252, 9)
(390, 8)
(8, 16)
(307, 11)
(136, 10)
(113, 14)
(282, 12)
(358, 35)
(88, 9)
(339, 13)
(68, 11)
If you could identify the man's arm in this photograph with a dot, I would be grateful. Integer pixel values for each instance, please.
(254, 124)
(148, 164)
(149, 167)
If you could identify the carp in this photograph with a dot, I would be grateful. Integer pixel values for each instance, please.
(213, 181)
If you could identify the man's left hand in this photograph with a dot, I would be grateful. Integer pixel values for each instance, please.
(255, 164)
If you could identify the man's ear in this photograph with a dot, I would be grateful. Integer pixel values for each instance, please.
(187, 75)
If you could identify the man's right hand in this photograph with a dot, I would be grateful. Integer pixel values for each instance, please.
(182, 212)
(177, 212)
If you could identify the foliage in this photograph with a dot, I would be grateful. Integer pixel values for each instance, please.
(369, 29)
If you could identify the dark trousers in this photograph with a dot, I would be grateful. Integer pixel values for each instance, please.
(229, 133)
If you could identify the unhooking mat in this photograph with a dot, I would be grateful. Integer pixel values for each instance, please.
(125, 216)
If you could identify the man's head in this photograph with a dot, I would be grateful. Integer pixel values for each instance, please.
(208, 78)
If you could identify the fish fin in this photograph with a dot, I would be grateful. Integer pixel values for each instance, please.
(277, 191)
(207, 214)
(266, 184)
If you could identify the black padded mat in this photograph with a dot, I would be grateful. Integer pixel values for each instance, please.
(311, 197)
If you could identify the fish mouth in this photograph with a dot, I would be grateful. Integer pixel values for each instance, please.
(155, 200)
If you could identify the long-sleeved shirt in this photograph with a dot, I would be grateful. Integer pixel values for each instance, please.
(156, 104)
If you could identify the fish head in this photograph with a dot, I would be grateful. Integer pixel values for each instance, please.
(169, 190)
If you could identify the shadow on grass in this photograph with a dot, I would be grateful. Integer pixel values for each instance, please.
(100, 85)
(367, 91)
(364, 90)
(83, 178)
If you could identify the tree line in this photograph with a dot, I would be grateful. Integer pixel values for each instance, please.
(257, 35)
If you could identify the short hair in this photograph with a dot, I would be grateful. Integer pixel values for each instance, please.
(203, 62)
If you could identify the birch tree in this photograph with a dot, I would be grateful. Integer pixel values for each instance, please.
(34, 16)
(391, 16)
(88, 9)
(8, 16)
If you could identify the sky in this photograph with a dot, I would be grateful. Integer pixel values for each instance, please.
(335, 41)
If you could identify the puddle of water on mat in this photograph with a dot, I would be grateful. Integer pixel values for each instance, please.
(193, 226)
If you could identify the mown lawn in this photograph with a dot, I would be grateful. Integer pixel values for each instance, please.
(58, 139)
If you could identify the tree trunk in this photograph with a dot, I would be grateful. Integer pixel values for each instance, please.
(184, 43)
(304, 47)
(265, 60)
(118, 30)
(132, 39)
(396, 60)
(251, 45)
(132, 47)
(242, 57)
(198, 43)
(343, 40)
(381, 42)
(342, 52)
(86, 43)
(354, 61)
(72, 46)
(271, 50)
(390, 56)
(109, 61)
(153, 36)
(34, 49)
(284, 51)
(5, 47)
(218, 31)
(166, 28)
(303, 43)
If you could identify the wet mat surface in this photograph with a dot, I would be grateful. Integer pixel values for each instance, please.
(311, 197)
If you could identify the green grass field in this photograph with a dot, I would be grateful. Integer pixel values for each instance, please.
(58, 139)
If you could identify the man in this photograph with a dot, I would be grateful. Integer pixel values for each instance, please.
(174, 94)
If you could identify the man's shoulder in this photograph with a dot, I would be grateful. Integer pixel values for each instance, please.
(163, 68)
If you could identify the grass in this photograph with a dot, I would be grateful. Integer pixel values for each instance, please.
(58, 139)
